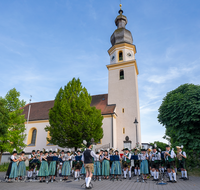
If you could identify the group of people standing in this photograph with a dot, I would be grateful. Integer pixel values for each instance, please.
(106, 164)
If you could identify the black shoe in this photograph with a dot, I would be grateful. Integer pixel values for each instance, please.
(174, 181)
(129, 178)
(154, 179)
(181, 178)
(28, 178)
(54, 180)
(170, 181)
(185, 178)
(44, 181)
(40, 181)
(124, 178)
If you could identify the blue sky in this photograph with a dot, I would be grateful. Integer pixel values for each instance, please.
(44, 44)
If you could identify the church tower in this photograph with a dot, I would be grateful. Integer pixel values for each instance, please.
(123, 85)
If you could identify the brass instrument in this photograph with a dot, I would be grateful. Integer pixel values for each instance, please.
(58, 151)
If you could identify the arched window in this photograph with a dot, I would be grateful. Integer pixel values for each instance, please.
(120, 56)
(121, 74)
(32, 137)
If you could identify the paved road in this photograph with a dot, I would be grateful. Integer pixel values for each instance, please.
(192, 184)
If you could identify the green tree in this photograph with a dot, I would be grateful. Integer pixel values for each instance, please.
(159, 144)
(72, 119)
(15, 130)
(180, 114)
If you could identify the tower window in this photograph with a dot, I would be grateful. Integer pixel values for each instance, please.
(122, 110)
(123, 130)
(32, 137)
(121, 74)
(120, 56)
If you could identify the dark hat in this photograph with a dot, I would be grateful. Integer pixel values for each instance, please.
(143, 149)
(154, 147)
(45, 152)
(50, 151)
(54, 152)
(97, 152)
(38, 150)
(22, 152)
(105, 150)
(167, 146)
(62, 151)
(125, 149)
(14, 151)
(33, 150)
(41, 151)
(88, 144)
(116, 150)
(78, 150)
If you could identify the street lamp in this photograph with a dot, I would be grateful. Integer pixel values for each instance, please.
(136, 122)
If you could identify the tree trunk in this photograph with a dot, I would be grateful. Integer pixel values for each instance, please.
(1, 156)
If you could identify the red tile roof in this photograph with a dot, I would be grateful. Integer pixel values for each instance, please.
(40, 110)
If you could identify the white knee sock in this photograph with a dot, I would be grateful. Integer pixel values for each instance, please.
(135, 171)
(88, 182)
(37, 172)
(139, 171)
(170, 176)
(78, 173)
(185, 174)
(124, 173)
(75, 174)
(157, 175)
(86, 179)
(176, 170)
(162, 169)
(129, 173)
(182, 173)
(154, 174)
(28, 175)
(34, 170)
(59, 171)
(31, 173)
(174, 176)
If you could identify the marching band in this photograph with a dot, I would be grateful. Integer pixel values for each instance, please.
(108, 164)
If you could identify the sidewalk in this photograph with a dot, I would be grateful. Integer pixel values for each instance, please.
(192, 184)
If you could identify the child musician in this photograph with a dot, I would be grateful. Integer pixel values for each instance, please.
(116, 166)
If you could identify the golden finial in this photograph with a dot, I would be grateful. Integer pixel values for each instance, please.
(120, 5)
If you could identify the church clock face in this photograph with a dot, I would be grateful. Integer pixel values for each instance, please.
(129, 54)
(113, 57)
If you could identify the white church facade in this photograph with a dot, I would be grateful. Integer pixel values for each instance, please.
(120, 107)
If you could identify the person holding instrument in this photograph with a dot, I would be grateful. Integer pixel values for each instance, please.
(66, 167)
(155, 159)
(44, 170)
(170, 163)
(116, 166)
(97, 167)
(53, 167)
(32, 164)
(144, 168)
(21, 166)
(12, 168)
(181, 155)
(127, 162)
(106, 165)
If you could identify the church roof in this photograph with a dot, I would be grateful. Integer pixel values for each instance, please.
(40, 110)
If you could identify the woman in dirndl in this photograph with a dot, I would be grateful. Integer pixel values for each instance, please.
(12, 168)
(116, 166)
(53, 168)
(97, 167)
(144, 168)
(106, 165)
(44, 170)
(21, 166)
(66, 167)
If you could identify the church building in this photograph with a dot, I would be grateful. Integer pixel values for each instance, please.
(120, 107)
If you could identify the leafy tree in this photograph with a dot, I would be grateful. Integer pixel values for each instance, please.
(4, 118)
(180, 114)
(15, 130)
(72, 119)
(159, 144)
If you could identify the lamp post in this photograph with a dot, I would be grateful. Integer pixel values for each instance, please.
(136, 122)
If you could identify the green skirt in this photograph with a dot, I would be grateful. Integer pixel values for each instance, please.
(44, 171)
(116, 168)
(21, 169)
(66, 168)
(105, 168)
(52, 168)
(13, 172)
